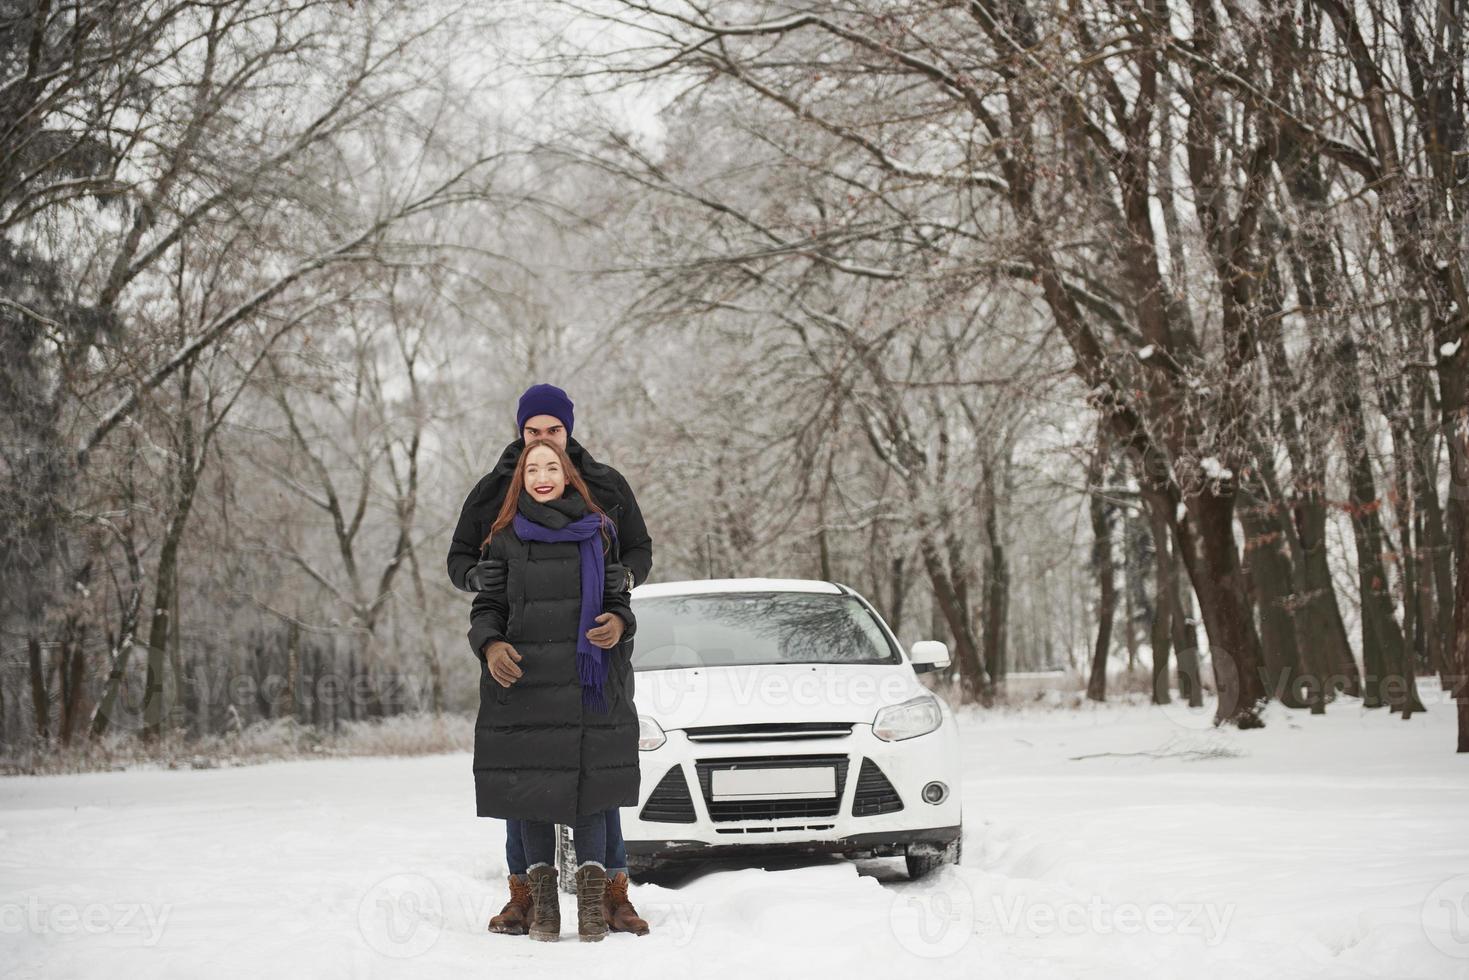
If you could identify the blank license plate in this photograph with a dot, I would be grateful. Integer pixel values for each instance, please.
(773, 784)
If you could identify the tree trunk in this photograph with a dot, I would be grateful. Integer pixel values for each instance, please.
(1166, 607)
(292, 707)
(949, 592)
(153, 700)
(1130, 587)
(313, 683)
(1325, 661)
(165, 593)
(74, 676)
(1234, 648)
(40, 702)
(996, 588)
(1383, 653)
(1409, 534)
(1437, 581)
(1185, 642)
(1103, 568)
(1455, 387)
(1329, 655)
(1268, 566)
(899, 591)
(430, 652)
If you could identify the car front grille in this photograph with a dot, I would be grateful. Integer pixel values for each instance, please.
(874, 793)
(769, 732)
(771, 809)
(670, 801)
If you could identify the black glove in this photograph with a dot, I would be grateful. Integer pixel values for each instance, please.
(618, 579)
(487, 576)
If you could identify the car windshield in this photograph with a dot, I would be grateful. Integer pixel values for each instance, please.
(739, 629)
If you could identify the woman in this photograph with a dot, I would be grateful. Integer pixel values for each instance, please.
(556, 740)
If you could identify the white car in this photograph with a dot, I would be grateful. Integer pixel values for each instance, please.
(782, 716)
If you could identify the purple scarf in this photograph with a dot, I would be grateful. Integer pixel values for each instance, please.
(591, 660)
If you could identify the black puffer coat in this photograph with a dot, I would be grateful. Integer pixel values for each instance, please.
(609, 489)
(538, 753)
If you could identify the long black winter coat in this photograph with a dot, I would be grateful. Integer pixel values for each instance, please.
(609, 490)
(538, 753)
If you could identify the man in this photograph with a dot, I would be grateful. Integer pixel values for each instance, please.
(546, 412)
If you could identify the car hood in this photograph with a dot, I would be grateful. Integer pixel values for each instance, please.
(696, 696)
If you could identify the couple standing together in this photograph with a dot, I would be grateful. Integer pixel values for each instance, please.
(552, 542)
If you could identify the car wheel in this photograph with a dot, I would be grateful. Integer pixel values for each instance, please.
(923, 859)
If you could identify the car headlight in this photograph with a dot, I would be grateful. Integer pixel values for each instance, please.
(650, 735)
(907, 720)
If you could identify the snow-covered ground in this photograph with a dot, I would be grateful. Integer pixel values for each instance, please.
(1319, 847)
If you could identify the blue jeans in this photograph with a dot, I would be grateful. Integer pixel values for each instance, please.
(615, 859)
(616, 847)
(589, 835)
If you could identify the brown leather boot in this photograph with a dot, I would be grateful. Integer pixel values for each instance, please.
(514, 917)
(545, 910)
(591, 889)
(618, 912)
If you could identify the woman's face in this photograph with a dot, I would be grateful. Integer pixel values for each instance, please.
(543, 477)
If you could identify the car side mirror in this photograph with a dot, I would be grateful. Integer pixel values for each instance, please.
(926, 655)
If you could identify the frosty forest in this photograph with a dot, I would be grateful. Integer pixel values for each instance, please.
(1117, 346)
(1122, 340)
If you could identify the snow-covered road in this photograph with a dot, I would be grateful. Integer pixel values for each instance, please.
(1320, 847)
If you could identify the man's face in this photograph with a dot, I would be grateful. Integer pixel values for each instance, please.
(546, 427)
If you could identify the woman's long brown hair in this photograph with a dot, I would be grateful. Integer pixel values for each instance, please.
(517, 484)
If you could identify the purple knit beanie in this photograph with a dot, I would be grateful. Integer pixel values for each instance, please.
(544, 400)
